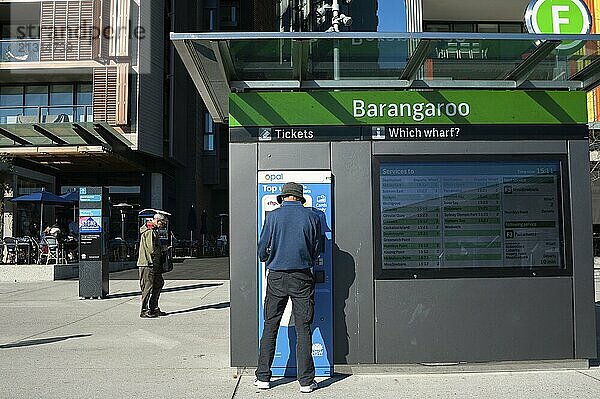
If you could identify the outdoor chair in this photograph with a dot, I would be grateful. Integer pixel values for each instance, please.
(9, 250)
(53, 249)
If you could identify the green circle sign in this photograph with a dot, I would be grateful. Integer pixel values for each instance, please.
(559, 17)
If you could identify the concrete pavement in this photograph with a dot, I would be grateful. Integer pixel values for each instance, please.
(53, 345)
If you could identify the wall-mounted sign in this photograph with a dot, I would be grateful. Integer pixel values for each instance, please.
(559, 17)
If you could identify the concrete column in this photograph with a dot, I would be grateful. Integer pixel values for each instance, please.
(156, 192)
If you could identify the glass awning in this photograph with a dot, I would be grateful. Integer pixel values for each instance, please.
(220, 63)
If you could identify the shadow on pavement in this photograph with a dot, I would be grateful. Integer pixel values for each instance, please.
(170, 289)
(187, 269)
(332, 380)
(42, 341)
(322, 384)
(221, 305)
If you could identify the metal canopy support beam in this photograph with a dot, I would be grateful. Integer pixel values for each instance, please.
(49, 135)
(205, 82)
(524, 69)
(590, 75)
(298, 60)
(14, 137)
(228, 65)
(86, 136)
(413, 66)
(216, 47)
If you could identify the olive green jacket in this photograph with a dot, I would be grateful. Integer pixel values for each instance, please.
(150, 248)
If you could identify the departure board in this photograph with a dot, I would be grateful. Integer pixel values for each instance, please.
(470, 215)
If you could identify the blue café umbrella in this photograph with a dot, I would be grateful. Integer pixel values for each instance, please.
(43, 197)
(71, 196)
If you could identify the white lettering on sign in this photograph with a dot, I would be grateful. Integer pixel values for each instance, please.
(417, 111)
(557, 21)
(294, 134)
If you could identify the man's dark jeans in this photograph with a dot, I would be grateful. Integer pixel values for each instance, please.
(300, 286)
(151, 282)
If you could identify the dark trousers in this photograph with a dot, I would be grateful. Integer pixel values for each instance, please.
(299, 285)
(151, 283)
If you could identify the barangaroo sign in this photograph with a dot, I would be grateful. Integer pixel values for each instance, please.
(301, 110)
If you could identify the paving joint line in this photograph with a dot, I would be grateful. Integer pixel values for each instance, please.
(587, 375)
(237, 384)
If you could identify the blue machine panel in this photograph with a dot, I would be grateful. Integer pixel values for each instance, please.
(317, 191)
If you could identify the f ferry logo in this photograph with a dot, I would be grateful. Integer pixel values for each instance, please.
(559, 17)
(265, 134)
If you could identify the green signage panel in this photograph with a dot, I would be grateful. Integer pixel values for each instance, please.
(452, 107)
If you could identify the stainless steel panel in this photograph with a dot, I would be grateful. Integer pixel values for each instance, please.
(353, 253)
(473, 320)
(242, 257)
(286, 156)
(583, 262)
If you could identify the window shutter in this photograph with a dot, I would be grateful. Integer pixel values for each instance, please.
(111, 94)
(67, 30)
(105, 95)
(122, 94)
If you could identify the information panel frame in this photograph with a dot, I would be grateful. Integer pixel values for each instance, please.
(564, 217)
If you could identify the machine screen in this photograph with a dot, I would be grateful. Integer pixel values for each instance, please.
(446, 215)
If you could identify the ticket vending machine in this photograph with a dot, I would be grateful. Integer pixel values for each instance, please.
(317, 191)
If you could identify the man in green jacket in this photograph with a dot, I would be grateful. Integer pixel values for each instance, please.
(149, 264)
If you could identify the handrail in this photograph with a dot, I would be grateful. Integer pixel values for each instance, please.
(44, 114)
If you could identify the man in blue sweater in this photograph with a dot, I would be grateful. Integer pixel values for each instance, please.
(290, 245)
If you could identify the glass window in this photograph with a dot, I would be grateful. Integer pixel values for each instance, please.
(511, 28)
(434, 27)
(84, 94)
(487, 28)
(229, 13)
(209, 133)
(84, 103)
(61, 95)
(210, 16)
(36, 95)
(472, 216)
(463, 28)
(11, 95)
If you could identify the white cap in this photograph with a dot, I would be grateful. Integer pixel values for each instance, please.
(159, 216)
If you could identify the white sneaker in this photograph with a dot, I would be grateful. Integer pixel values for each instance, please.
(262, 384)
(309, 388)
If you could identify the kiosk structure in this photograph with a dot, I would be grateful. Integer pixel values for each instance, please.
(460, 210)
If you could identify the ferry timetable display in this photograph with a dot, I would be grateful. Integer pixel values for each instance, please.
(470, 214)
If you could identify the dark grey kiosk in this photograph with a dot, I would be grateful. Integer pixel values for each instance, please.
(461, 207)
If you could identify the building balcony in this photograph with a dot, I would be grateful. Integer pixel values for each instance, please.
(46, 114)
(20, 50)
